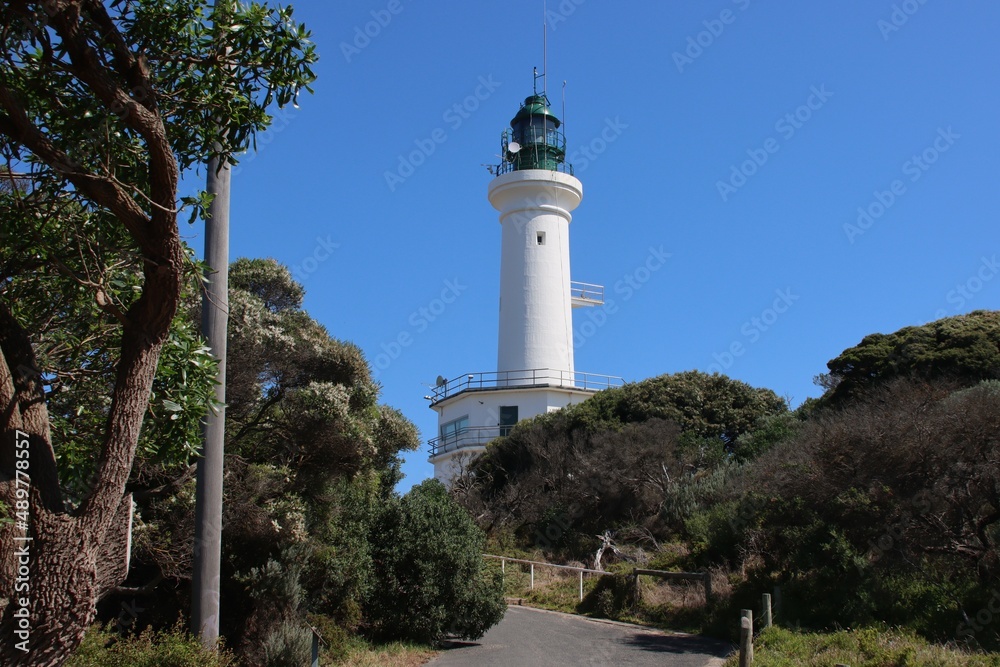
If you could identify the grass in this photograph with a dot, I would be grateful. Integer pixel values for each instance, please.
(778, 647)
(396, 654)
(669, 606)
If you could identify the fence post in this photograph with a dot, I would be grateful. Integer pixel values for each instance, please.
(503, 566)
(315, 649)
(532, 576)
(581, 585)
(766, 609)
(636, 588)
(746, 638)
(708, 587)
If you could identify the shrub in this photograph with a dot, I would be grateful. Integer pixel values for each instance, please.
(611, 597)
(290, 643)
(166, 648)
(430, 577)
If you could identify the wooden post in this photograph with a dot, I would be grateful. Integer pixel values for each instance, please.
(765, 604)
(581, 585)
(532, 576)
(636, 587)
(708, 588)
(315, 650)
(746, 638)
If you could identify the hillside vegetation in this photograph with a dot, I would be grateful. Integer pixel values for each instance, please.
(314, 534)
(876, 505)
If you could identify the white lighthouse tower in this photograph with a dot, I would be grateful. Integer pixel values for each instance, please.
(536, 193)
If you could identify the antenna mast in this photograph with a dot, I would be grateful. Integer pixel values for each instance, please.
(564, 102)
(545, 47)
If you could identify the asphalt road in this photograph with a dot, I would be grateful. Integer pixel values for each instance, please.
(529, 637)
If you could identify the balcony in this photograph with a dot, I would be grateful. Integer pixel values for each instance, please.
(539, 377)
(473, 436)
(585, 294)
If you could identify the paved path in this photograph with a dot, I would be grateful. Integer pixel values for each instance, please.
(533, 638)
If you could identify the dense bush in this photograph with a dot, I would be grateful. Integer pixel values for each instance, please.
(611, 597)
(964, 349)
(633, 457)
(430, 577)
(878, 504)
(887, 510)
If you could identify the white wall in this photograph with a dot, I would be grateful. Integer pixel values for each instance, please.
(536, 323)
(483, 410)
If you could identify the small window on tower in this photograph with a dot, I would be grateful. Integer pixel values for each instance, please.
(540, 237)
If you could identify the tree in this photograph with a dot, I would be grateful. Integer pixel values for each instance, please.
(616, 458)
(965, 348)
(102, 106)
(887, 509)
(432, 578)
(312, 457)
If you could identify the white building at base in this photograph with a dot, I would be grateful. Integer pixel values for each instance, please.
(536, 193)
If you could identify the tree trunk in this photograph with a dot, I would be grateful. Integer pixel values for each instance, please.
(57, 566)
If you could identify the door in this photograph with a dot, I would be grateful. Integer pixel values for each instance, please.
(508, 417)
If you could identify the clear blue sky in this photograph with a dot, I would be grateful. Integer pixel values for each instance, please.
(884, 89)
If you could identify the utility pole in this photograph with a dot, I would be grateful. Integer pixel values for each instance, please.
(214, 325)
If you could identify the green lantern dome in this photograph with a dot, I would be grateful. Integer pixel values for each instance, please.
(534, 140)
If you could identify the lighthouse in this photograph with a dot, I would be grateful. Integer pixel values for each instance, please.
(535, 192)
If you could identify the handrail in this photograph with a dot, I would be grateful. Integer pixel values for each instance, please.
(532, 563)
(586, 292)
(480, 435)
(704, 577)
(536, 562)
(536, 377)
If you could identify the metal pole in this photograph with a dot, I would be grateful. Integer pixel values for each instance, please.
(315, 651)
(208, 494)
(581, 585)
(766, 608)
(532, 576)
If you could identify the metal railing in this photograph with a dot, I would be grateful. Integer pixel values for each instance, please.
(470, 436)
(586, 293)
(537, 377)
(539, 149)
(506, 167)
(532, 563)
(704, 577)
